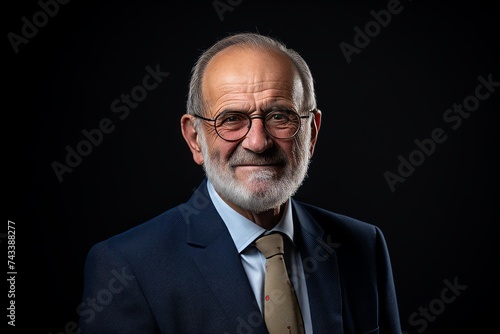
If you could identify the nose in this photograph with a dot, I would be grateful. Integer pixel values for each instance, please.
(257, 139)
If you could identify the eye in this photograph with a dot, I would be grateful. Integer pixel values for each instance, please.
(279, 117)
(232, 119)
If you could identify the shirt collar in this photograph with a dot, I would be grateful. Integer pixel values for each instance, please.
(242, 230)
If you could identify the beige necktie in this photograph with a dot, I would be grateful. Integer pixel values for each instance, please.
(281, 309)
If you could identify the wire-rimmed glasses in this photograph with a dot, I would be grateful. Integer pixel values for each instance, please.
(235, 125)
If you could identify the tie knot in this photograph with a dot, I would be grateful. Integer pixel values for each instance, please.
(270, 245)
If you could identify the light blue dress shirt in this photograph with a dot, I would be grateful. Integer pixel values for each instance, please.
(244, 232)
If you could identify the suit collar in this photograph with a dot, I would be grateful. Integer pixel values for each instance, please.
(305, 220)
(216, 257)
(243, 231)
(203, 221)
(322, 273)
(212, 244)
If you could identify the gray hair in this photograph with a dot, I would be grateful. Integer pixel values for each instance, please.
(195, 102)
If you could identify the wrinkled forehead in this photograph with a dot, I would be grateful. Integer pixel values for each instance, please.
(246, 69)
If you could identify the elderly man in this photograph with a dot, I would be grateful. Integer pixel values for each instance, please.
(243, 256)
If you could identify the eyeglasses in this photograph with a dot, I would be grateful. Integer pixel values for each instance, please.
(235, 125)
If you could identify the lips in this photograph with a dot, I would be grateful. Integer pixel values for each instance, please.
(257, 164)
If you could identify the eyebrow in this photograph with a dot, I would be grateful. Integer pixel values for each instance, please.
(266, 108)
(274, 107)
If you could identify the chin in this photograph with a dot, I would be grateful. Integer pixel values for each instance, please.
(262, 183)
(266, 176)
(259, 190)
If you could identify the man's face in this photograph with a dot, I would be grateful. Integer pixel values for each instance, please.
(258, 172)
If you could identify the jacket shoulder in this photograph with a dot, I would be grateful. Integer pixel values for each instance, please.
(340, 226)
(163, 229)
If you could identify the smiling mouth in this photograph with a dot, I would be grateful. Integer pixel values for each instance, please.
(253, 166)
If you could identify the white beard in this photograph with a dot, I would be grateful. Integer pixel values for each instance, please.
(273, 191)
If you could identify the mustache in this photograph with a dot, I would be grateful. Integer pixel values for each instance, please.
(272, 156)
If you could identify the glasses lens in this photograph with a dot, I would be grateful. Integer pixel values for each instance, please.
(282, 124)
(232, 125)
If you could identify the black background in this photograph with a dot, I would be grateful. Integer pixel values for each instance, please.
(440, 224)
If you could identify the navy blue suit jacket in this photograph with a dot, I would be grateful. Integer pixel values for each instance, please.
(181, 273)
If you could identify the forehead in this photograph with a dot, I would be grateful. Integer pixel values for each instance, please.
(251, 72)
(241, 56)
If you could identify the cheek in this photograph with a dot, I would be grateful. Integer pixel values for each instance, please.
(296, 150)
(219, 151)
(291, 148)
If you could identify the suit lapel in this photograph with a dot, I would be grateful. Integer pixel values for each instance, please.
(322, 276)
(217, 258)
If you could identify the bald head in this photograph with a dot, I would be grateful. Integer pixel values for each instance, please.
(246, 79)
(248, 42)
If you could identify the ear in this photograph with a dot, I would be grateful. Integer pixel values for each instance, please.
(315, 125)
(191, 136)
